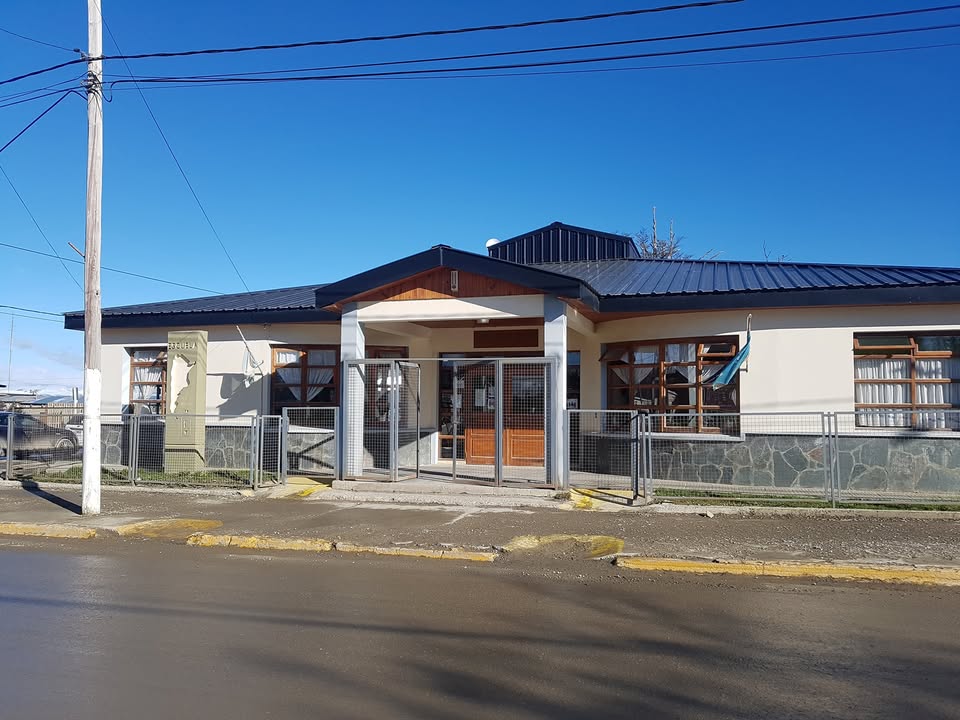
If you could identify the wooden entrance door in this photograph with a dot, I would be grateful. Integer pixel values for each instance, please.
(523, 415)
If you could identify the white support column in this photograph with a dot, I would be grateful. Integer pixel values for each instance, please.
(555, 346)
(352, 347)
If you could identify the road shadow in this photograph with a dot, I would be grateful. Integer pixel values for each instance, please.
(35, 490)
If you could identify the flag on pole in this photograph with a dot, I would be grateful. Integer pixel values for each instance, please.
(730, 370)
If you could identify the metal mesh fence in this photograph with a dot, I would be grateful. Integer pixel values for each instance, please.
(310, 441)
(197, 450)
(603, 451)
(762, 456)
(884, 456)
(382, 407)
(526, 419)
(44, 445)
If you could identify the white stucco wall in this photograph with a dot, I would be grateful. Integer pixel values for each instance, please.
(800, 360)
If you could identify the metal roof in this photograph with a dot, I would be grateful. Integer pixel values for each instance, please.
(559, 242)
(615, 278)
(282, 299)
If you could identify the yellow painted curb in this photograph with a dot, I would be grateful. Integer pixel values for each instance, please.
(311, 490)
(920, 576)
(171, 528)
(49, 531)
(599, 545)
(451, 554)
(257, 542)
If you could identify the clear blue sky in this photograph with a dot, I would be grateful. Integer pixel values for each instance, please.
(844, 159)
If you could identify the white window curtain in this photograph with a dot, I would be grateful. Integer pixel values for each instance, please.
(885, 393)
(938, 393)
(147, 374)
(318, 376)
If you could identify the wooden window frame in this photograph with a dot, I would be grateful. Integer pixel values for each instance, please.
(911, 353)
(276, 406)
(660, 389)
(160, 362)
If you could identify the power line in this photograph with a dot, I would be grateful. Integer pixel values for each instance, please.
(39, 42)
(40, 229)
(29, 317)
(40, 97)
(114, 270)
(546, 63)
(380, 38)
(31, 310)
(52, 86)
(34, 121)
(595, 45)
(183, 173)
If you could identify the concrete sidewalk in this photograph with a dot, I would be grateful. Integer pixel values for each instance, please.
(812, 536)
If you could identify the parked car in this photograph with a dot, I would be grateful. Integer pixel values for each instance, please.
(75, 425)
(30, 436)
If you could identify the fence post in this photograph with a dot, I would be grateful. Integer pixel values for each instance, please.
(835, 454)
(282, 439)
(132, 442)
(254, 425)
(10, 446)
(566, 440)
(498, 422)
(635, 455)
(337, 457)
(648, 463)
(827, 440)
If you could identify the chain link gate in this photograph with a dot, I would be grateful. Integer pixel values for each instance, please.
(381, 411)
(496, 422)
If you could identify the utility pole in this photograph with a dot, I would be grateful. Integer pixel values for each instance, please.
(92, 378)
(10, 357)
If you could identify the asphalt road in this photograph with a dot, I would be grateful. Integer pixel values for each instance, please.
(148, 630)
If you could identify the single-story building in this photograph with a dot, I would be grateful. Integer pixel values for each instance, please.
(579, 321)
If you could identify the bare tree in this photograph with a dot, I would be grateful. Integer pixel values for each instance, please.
(766, 255)
(652, 247)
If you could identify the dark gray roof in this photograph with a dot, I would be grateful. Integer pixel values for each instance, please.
(614, 278)
(282, 305)
(292, 298)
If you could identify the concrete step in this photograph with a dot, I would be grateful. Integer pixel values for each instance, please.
(428, 487)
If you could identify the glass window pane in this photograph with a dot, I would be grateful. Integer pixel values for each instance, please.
(939, 343)
(681, 352)
(681, 419)
(147, 354)
(645, 355)
(287, 357)
(883, 341)
(680, 374)
(290, 376)
(619, 397)
(724, 398)
(646, 397)
(883, 369)
(882, 393)
(615, 354)
(645, 376)
(322, 357)
(709, 372)
(719, 348)
(681, 396)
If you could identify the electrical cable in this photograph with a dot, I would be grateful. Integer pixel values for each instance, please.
(587, 46)
(546, 63)
(39, 42)
(380, 38)
(29, 317)
(183, 173)
(31, 310)
(113, 270)
(34, 121)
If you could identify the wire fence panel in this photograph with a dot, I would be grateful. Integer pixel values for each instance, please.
(367, 404)
(604, 451)
(526, 411)
(196, 450)
(885, 456)
(763, 455)
(46, 445)
(269, 469)
(311, 438)
(406, 404)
